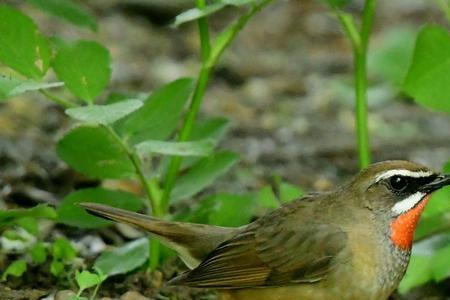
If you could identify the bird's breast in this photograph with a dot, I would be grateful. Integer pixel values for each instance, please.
(404, 226)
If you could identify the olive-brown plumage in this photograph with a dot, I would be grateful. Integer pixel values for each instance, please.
(351, 243)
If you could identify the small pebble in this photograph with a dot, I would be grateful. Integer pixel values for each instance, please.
(132, 295)
(64, 295)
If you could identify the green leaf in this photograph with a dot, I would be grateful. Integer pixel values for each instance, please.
(390, 58)
(11, 216)
(16, 269)
(418, 273)
(29, 224)
(436, 216)
(94, 151)
(289, 192)
(439, 203)
(197, 148)
(13, 235)
(85, 68)
(38, 253)
(213, 128)
(440, 264)
(226, 36)
(86, 279)
(238, 2)
(225, 210)
(115, 97)
(67, 10)
(203, 174)
(446, 168)
(123, 259)
(104, 114)
(56, 268)
(427, 80)
(63, 251)
(71, 214)
(267, 198)
(336, 3)
(158, 118)
(10, 86)
(22, 46)
(197, 13)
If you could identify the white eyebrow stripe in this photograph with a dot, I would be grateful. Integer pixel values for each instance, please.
(408, 203)
(403, 172)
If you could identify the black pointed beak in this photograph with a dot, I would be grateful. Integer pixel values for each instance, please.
(437, 183)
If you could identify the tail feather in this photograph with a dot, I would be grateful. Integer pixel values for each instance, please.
(192, 241)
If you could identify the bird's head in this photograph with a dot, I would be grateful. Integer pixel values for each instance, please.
(398, 191)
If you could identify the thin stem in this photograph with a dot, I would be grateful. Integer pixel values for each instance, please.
(202, 81)
(152, 192)
(360, 44)
(230, 33)
(367, 21)
(348, 24)
(149, 189)
(155, 253)
(94, 293)
(203, 30)
(196, 101)
(361, 108)
(57, 100)
(185, 132)
(361, 84)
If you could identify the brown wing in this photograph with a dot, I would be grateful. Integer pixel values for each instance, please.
(276, 250)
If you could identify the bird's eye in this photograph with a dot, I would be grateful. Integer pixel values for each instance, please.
(398, 183)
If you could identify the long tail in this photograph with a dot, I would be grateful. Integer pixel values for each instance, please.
(192, 242)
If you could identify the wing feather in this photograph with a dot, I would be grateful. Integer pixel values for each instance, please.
(278, 249)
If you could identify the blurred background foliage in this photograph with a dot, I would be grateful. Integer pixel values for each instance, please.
(136, 85)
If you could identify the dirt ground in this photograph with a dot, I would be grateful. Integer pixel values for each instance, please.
(285, 83)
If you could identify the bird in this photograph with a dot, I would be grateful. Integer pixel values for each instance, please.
(351, 243)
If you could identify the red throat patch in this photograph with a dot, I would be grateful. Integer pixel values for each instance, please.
(402, 228)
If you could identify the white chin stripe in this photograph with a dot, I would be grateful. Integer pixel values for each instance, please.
(402, 172)
(408, 203)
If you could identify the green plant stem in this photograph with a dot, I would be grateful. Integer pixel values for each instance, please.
(152, 193)
(445, 7)
(196, 101)
(208, 64)
(203, 30)
(185, 132)
(149, 188)
(94, 293)
(349, 27)
(361, 109)
(58, 100)
(155, 209)
(230, 33)
(360, 43)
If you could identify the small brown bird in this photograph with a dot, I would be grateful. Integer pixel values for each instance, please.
(353, 243)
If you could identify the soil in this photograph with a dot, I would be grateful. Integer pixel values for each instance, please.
(285, 84)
